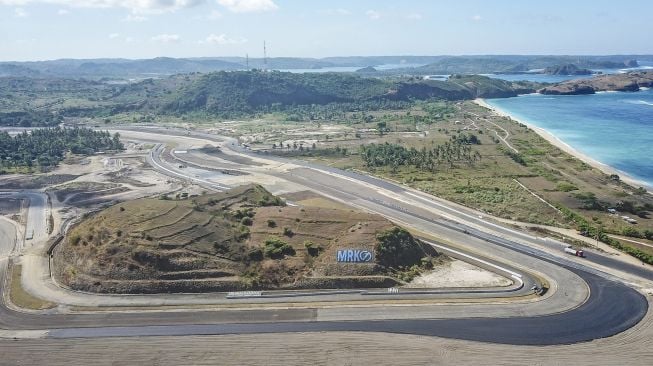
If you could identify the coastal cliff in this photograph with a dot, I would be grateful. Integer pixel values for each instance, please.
(631, 81)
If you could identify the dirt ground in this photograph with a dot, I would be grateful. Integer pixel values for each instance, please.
(457, 273)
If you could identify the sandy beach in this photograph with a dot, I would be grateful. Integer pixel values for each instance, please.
(555, 141)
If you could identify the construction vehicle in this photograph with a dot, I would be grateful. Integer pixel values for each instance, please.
(576, 252)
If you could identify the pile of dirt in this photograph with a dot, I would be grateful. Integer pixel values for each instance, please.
(82, 194)
(244, 238)
(33, 181)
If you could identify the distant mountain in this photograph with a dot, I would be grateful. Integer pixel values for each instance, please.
(17, 70)
(568, 69)
(124, 68)
(519, 64)
(368, 69)
(118, 68)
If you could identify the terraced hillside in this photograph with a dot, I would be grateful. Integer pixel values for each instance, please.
(245, 238)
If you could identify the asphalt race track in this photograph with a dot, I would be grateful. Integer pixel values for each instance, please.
(611, 307)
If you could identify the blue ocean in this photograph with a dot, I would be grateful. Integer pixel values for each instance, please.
(614, 128)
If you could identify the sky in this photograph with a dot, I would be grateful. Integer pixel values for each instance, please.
(54, 29)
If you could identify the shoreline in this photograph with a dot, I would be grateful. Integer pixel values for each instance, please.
(557, 142)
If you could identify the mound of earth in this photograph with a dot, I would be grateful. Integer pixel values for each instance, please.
(244, 238)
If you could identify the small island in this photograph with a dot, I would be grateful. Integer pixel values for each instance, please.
(630, 81)
(367, 69)
(567, 69)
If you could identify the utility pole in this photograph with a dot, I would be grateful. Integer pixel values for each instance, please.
(265, 57)
(247, 61)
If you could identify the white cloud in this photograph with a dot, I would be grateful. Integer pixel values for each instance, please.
(136, 6)
(221, 39)
(414, 16)
(215, 15)
(373, 14)
(476, 18)
(20, 13)
(248, 6)
(129, 40)
(114, 35)
(338, 11)
(63, 12)
(134, 18)
(166, 38)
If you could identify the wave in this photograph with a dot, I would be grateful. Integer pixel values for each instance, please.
(643, 102)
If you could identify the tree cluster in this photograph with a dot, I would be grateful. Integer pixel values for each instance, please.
(47, 147)
(458, 150)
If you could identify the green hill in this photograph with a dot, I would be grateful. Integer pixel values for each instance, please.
(246, 92)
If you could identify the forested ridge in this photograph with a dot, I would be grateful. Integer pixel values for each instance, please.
(47, 147)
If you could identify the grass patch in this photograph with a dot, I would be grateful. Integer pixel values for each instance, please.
(22, 298)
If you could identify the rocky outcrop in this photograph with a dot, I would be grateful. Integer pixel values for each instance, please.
(631, 81)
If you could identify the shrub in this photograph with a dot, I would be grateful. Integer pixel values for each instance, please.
(648, 234)
(247, 221)
(255, 254)
(288, 232)
(276, 248)
(312, 249)
(632, 232)
(517, 158)
(566, 187)
(74, 240)
(397, 247)
(271, 223)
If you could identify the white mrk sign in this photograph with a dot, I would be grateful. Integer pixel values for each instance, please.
(353, 256)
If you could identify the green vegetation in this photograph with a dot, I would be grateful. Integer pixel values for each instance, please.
(44, 148)
(595, 231)
(449, 154)
(276, 248)
(312, 249)
(398, 248)
(299, 97)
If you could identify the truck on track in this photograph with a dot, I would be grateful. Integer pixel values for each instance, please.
(576, 252)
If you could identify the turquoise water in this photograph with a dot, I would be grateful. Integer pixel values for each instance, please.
(614, 128)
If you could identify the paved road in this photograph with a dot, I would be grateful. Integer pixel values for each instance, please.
(611, 308)
(7, 237)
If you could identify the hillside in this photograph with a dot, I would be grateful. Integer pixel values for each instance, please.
(241, 239)
(519, 64)
(231, 94)
(248, 92)
(631, 81)
(567, 69)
